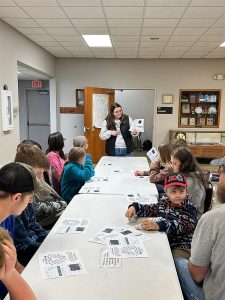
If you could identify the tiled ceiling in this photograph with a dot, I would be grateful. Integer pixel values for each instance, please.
(138, 28)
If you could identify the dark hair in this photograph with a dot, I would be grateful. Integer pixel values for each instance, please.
(15, 178)
(33, 156)
(165, 150)
(188, 163)
(75, 154)
(56, 143)
(110, 118)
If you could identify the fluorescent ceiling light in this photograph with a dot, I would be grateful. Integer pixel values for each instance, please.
(222, 45)
(97, 40)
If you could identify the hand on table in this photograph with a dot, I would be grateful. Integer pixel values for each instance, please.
(131, 212)
(139, 173)
(149, 225)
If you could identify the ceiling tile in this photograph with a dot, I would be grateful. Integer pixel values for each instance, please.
(124, 22)
(45, 12)
(192, 55)
(103, 55)
(82, 54)
(151, 50)
(126, 49)
(206, 48)
(73, 44)
(204, 12)
(152, 44)
(124, 12)
(220, 23)
(196, 22)
(167, 2)
(161, 38)
(125, 31)
(88, 23)
(97, 31)
(188, 38)
(84, 12)
(7, 3)
(12, 12)
(48, 44)
(164, 12)
(79, 2)
(21, 22)
(40, 37)
(79, 49)
(125, 44)
(189, 31)
(125, 38)
(36, 2)
(215, 31)
(157, 31)
(196, 52)
(61, 31)
(54, 48)
(176, 49)
(32, 30)
(67, 38)
(166, 55)
(213, 38)
(206, 44)
(123, 2)
(179, 44)
(160, 22)
(207, 3)
(54, 22)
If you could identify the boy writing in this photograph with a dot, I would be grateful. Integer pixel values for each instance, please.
(174, 214)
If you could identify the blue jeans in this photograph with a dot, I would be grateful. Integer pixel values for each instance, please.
(120, 151)
(191, 289)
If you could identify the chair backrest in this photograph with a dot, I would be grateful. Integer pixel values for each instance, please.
(208, 198)
(55, 179)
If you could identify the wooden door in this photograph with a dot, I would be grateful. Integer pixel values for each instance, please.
(96, 146)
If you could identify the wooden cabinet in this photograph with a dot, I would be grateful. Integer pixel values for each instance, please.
(199, 108)
(203, 144)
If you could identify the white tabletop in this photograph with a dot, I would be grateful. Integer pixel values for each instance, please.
(138, 278)
(111, 162)
(121, 178)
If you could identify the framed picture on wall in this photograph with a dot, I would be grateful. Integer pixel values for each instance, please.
(79, 97)
(192, 122)
(184, 121)
(185, 108)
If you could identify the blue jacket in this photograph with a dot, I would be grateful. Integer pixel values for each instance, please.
(74, 177)
(28, 233)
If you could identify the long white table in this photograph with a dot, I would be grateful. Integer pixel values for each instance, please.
(138, 278)
(120, 171)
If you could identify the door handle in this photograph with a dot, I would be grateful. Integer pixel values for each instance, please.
(87, 128)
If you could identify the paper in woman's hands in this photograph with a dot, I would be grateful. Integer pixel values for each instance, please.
(138, 124)
(153, 154)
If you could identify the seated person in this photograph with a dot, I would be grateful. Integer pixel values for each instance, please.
(47, 204)
(202, 276)
(77, 170)
(17, 187)
(174, 214)
(80, 141)
(160, 167)
(17, 287)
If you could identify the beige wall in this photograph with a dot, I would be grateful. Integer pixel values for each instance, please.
(15, 47)
(167, 76)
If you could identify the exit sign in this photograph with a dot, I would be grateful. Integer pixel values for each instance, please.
(36, 84)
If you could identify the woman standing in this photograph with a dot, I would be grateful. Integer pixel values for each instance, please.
(115, 130)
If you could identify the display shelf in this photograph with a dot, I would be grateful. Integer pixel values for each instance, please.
(199, 108)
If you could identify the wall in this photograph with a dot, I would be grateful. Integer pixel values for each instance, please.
(15, 47)
(139, 104)
(167, 76)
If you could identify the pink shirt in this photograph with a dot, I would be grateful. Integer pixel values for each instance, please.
(56, 161)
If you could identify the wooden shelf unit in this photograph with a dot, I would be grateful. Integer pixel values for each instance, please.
(203, 144)
(199, 108)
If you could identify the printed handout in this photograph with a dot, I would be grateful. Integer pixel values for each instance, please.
(99, 179)
(138, 124)
(109, 262)
(142, 198)
(72, 225)
(126, 246)
(153, 154)
(90, 189)
(60, 264)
